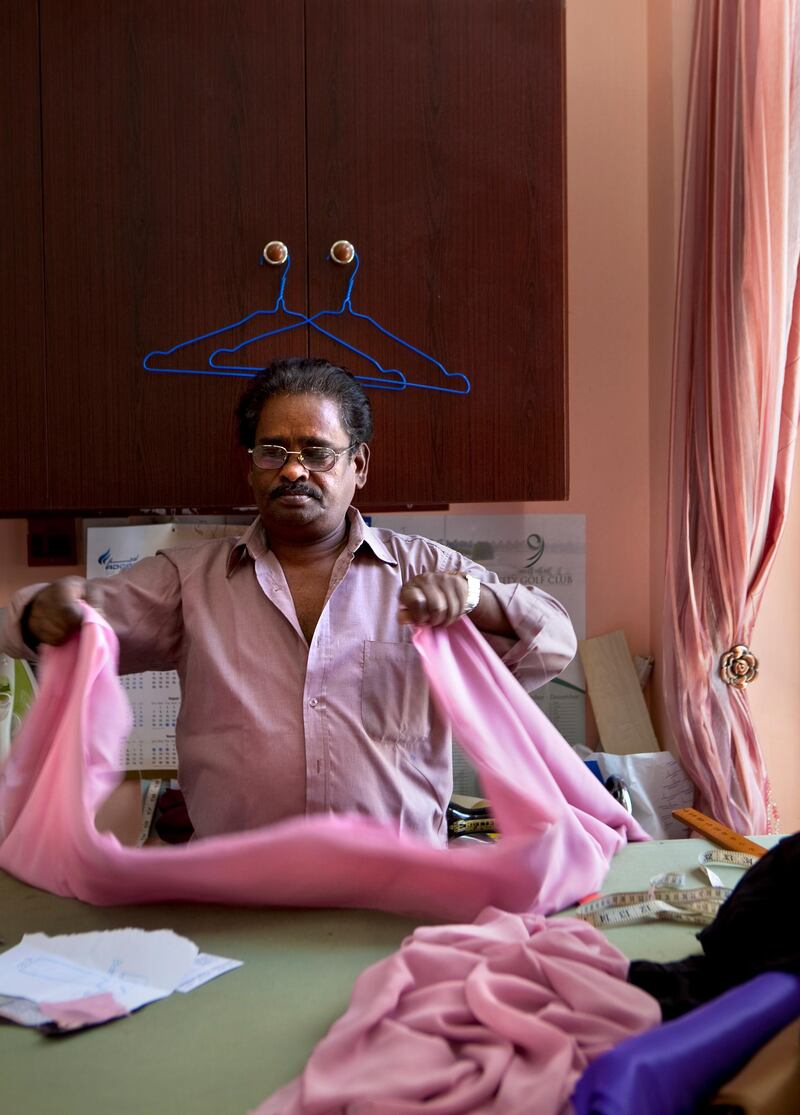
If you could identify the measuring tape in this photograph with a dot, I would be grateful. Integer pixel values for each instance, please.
(717, 833)
(692, 906)
(471, 824)
(668, 897)
(728, 859)
(721, 858)
(148, 810)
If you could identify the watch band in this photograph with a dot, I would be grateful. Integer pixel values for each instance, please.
(473, 593)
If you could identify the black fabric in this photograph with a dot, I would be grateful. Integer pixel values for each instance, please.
(171, 821)
(757, 928)
(755, 931)
(679, 986)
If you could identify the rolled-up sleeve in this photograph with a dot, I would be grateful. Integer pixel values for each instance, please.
(546, 642)
(545, 638)
(142, 605)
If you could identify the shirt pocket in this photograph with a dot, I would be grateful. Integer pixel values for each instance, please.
(394, 694)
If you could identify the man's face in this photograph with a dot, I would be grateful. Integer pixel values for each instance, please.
(295, 503)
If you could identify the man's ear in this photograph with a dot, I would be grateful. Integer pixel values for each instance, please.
(361, 461)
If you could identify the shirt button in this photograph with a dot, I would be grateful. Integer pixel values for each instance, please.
(313, 702)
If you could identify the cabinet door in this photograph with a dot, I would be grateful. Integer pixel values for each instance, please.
(435, 144)
(174, 135)
(23, 467)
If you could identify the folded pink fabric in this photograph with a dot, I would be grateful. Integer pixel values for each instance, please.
(501, 1016)
(561, 827)
(74, 1014)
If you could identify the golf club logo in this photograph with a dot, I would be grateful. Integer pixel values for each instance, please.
(536, 545)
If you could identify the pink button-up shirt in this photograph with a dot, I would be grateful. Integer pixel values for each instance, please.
(271, 726)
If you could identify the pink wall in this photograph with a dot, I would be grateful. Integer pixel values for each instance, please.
(627, 71)
(775, 697)
(627, 85)
(607, 205)
(14, 569)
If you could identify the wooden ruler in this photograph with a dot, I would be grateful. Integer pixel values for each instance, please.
(716, 832)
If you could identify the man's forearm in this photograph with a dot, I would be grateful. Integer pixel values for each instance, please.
(529, 629)
(489, 615)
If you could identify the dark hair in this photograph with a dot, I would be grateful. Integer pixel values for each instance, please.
(301, 375)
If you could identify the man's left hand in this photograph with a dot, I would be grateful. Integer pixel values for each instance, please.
(433, 599)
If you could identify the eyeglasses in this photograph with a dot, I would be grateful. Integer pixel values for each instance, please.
(316, 458)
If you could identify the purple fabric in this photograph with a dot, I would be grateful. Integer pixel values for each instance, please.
(496, 1017)
(683, 1062)
(561, 827)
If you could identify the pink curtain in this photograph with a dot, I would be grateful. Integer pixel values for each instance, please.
(735, 386)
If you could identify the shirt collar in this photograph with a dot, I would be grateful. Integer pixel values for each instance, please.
(362, 534)
(253, 542)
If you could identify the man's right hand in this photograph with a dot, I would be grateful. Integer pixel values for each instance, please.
(55, 612)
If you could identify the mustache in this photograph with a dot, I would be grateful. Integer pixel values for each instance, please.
(294, 490)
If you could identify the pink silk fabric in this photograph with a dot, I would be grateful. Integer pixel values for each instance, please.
(736, 391)
(561, 827)
(500, 1016)
(93, 1010)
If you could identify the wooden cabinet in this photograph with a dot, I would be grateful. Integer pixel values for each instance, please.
(173, 134)
(23, 420)
(178, 137)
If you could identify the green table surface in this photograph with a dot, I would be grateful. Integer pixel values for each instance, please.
(223, 1048)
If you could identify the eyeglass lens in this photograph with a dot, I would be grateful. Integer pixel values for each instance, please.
(316, 458)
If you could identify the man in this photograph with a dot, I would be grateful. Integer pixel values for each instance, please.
(301, 689)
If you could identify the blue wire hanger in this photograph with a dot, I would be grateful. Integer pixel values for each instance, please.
(246, 371)
(346, 309)
(391, 379)
(396, 382)
(150, 361)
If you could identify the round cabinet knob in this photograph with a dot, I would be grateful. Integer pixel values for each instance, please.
(275, 253)
(343, 252)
